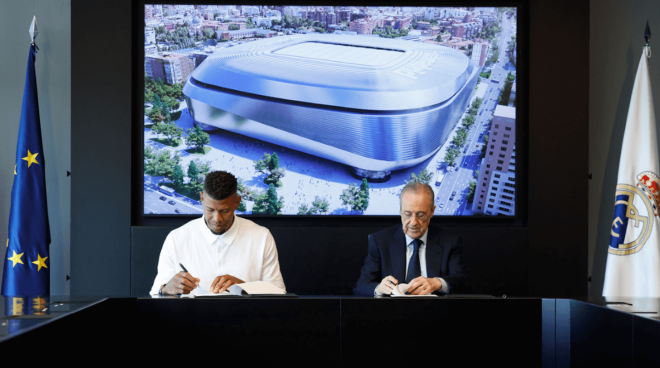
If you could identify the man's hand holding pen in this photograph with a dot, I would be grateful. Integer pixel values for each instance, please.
(181, 283)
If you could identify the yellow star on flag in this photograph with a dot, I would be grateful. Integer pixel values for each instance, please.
(41, 262)
(31, 158)
(16, 258)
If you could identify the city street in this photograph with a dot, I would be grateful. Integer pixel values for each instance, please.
(469, 160)
(153, 203)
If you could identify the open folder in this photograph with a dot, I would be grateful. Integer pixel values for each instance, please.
(256, 288)
(401, 290)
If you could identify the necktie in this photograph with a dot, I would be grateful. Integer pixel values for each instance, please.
(414, 267)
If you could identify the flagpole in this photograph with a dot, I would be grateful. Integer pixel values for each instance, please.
(647, 38)
(34, 31)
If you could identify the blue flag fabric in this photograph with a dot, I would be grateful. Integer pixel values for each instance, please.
(26, 270)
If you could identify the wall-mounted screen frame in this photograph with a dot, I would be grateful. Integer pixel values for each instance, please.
(210, 104)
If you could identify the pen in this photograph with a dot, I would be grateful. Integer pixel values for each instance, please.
(184, 269)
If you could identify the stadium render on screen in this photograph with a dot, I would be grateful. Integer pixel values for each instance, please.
(330, 110)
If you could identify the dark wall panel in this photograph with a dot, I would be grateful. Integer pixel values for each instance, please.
(100, 148)
(558, 147)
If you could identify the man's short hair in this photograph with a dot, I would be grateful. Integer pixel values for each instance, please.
(417, 188)
(220, 185)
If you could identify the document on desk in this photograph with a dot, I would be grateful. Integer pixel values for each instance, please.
(256, 287)
(247, 288)
(224, 293)
(400, 291)
(201, 291)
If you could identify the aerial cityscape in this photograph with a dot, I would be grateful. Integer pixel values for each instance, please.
(330, 110)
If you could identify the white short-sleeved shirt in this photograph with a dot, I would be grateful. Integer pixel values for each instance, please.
(246, 251)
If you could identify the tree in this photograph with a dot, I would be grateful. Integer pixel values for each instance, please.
(274, 205)
(193, 171)
(260, 205)
(356, 197)
(177, 176)
(157, 102)
(197, 138)
(461, 137)
(270, 164)
(477, 102)
(485, 146)
(241, 206)
(244, 191)
(476, 174)
(208, 33)
(234, 27)
(364, 188)
(320, 205)
(494, 57)
(172, 131)
(158, 129)
(204, 167)
(468, 121)
(304, 210)
(162, 163)
(268, 203)
(450, 156)
(424, 177)
(471, 187)
(149, 153)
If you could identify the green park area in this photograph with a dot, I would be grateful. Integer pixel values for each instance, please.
(200, 152)
(165, 141)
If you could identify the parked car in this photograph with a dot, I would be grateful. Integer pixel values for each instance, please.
(162, 198)
(171, 202)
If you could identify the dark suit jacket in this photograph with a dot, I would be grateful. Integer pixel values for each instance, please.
(386, 256)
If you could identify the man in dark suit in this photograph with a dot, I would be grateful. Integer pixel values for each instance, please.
(427, 258)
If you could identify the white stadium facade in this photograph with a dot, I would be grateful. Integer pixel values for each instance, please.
(372, 103)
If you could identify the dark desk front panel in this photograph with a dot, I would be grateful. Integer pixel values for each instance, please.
(342, 331)
(407, 332)
(259, 331)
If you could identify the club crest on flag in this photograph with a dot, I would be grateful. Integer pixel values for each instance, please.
(634, 210)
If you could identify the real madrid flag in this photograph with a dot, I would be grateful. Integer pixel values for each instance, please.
(633, 262)
(26, 261)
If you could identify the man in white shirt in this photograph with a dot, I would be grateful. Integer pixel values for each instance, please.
(219, 249)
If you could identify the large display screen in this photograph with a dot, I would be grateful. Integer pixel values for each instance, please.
(330, 110)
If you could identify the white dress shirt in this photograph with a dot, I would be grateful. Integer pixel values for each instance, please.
(246, 251)
(422, 258)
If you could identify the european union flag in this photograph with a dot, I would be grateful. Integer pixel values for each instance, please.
(26, 262)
